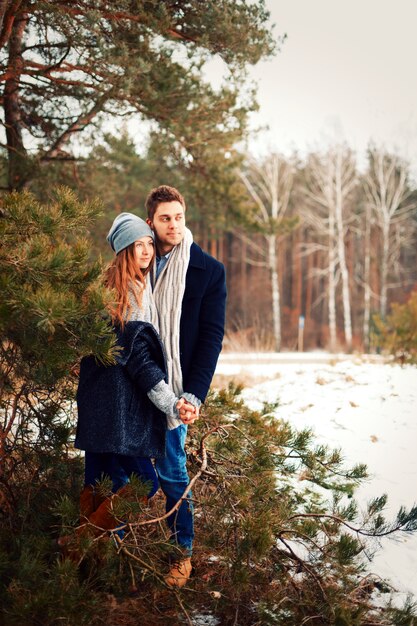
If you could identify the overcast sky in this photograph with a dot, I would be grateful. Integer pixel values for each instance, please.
(347, 70)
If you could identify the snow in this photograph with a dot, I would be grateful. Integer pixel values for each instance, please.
(361, 404)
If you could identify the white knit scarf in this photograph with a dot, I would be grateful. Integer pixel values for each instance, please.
(168, 294)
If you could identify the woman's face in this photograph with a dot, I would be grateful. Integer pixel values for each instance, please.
(144, 249)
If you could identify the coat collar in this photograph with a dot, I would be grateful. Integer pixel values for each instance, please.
(197, 257)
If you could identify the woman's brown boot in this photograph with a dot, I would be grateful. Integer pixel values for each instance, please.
(100, 519)
(90, 500)
(103, 518)
(87, 502)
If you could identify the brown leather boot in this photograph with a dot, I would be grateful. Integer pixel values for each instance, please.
(94, 525)
(179, 573)
(87, 502)
(103, 517)
(90, 500)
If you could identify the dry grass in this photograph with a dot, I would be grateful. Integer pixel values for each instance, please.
(252, 339)
(244, 378)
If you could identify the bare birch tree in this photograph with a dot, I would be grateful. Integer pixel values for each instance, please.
(269, 184)
(388, 195)
(367, 274)
(331, 179)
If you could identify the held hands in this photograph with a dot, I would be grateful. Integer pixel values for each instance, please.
(186, 411)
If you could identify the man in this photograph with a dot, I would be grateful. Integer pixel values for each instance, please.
(190, 296)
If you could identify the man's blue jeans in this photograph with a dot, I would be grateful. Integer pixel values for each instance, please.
(173, 479)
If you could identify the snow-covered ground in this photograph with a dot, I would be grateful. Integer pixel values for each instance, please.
(366, 407)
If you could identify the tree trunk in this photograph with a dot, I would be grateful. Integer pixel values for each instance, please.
(384, 268)
(297, 285)
(276, 312)
(309, 291)
(244, 283)
(367, 278)
(221, 246)
(17, 155)
(332, 284)
(347, 316)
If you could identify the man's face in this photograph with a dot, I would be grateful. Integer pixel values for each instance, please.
(169, 225)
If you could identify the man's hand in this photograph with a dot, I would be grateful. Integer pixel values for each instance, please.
(187, 412)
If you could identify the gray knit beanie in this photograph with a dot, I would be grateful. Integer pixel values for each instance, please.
(126, 229)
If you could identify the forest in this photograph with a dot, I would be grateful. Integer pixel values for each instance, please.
(99, 103)
(314, 238)
(317, 241)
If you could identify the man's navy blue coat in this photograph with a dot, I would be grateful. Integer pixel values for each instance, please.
(202, 321)
(114, 413)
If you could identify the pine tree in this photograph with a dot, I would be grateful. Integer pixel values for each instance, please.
(397, 334)
(50, 315)
(278, 535)
(279, 538)
(67, 66)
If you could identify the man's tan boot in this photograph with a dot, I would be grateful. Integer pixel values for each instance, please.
(179, 573)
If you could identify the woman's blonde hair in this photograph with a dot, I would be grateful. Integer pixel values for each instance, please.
(124, 276)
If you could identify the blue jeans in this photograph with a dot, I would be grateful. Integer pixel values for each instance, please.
(118, 467)
(173, 478)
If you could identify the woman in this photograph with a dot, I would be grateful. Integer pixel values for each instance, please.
(122, 408)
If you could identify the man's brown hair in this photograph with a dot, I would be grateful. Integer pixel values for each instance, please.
(163, 193)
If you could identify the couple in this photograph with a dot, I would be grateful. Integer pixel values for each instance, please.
(127, 413)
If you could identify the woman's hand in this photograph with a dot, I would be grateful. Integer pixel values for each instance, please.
(186, 411)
